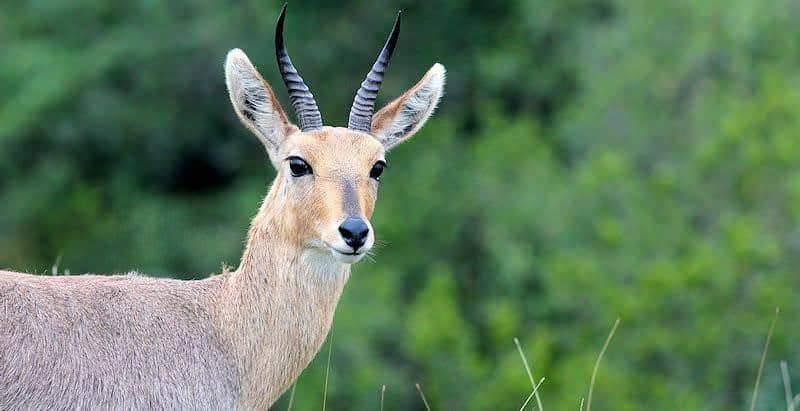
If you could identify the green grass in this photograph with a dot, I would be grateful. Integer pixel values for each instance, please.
(792, 400)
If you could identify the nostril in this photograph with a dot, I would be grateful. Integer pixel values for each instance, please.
(354, 232)
(346, 234)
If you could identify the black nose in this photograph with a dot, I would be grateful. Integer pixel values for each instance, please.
(354, 232)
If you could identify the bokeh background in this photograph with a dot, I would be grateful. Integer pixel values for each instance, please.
(592, 159)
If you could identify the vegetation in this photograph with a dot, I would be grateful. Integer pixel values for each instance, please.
(592, 159)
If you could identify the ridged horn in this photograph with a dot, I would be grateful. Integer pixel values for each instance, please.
(364, 103)
(305, 107)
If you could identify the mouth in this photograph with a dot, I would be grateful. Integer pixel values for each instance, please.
(349, 254)
(348, 257)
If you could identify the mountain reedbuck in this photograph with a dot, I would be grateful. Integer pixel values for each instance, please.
(238, 339)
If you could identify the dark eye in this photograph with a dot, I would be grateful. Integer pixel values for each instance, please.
(377, 170)
(299, 167)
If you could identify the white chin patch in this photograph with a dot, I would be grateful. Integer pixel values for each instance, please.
(348, 258)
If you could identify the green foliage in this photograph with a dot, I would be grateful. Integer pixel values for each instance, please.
(592, 159)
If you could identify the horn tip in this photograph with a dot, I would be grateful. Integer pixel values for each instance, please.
(279, 28)
(396, 26)
(283, 13)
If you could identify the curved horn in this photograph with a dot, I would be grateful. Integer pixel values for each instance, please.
(305, 107)
(364, 103)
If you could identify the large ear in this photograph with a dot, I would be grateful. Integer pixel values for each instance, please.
(255, 103)
(404, 116)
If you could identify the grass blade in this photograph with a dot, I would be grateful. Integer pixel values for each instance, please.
(763, 358)
(597, 364)
(787, 386)
(327, 372)
(530, 374)
(291, 397)
(422, 395)
(535, 390)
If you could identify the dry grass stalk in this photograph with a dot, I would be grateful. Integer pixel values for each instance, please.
(422, 395)
(327, 372)
(787, 386)
(530, 374)
(535, 390)
(291, 397)
(763, 359)
(597, 364)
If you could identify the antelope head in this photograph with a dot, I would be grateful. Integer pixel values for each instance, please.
(328, 177)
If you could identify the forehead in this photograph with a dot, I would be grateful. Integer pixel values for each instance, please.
(334, 145)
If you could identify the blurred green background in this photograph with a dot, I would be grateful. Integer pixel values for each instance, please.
(592, 159)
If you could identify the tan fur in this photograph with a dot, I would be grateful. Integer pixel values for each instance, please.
(235, 340)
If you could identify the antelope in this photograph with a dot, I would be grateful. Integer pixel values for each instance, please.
(239, 339)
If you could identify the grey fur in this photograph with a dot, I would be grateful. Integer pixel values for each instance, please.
(233, 341)
(80, 342)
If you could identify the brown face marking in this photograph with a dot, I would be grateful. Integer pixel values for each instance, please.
(350, 203)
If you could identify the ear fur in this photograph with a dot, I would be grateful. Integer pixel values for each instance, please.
(255, 103)
(403, 117)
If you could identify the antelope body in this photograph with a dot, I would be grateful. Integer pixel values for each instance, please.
(238, 339)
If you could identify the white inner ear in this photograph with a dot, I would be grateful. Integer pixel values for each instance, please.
(415, 108)
(253, 101)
